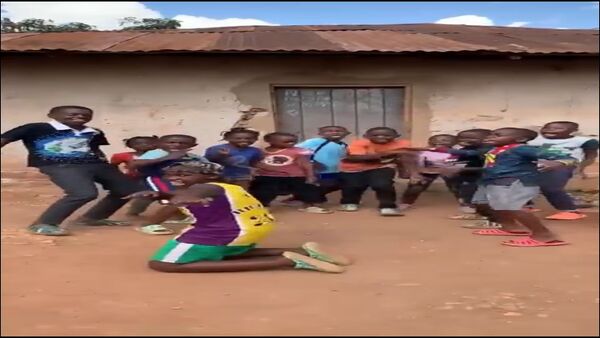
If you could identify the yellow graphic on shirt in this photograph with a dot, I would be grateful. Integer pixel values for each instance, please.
(490, 160)
(252, 217)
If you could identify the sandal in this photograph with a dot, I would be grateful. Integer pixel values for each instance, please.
(482, 225)
(101, 222)
(155, 229)
(316, 210)
(530, 242)
(47, 230)
(187, 220)
(469, 217)
(500, 232)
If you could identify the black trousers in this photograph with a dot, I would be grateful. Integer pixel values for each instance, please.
(267, 188)
(380, 180)
(78, 183)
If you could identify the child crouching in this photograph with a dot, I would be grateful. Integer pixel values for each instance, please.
(229, 223)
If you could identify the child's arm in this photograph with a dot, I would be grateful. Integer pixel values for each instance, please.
(218, 155)
(14, 134)
(590, 153)
(308, 169)
(141, 162)
(199, 193)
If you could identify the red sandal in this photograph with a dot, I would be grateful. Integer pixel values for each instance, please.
(500, 232)
(530, 242)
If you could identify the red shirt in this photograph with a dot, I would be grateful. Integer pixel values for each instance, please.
(125, 158)
(283, 163)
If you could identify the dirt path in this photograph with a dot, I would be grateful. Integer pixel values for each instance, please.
(417, 275)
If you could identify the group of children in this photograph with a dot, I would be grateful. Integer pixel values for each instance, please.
(225, 193)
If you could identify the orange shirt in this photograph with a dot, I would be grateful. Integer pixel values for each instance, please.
(366, 147)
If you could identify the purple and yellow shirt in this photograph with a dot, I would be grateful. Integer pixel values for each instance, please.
(234, 218)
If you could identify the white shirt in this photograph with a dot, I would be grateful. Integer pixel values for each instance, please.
(568, 146)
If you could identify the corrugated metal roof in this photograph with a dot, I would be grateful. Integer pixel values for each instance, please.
(334, 39)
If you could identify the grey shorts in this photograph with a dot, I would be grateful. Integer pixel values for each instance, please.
(505, 197)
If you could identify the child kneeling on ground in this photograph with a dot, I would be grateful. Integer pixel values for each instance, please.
(229, 223)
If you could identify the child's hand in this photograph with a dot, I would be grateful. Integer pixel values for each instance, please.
(416, 178)
(547, 165)
(311, 180)
(143, 194)
(224, 151)
(581, 173)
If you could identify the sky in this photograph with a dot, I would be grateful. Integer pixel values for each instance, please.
(106, 15)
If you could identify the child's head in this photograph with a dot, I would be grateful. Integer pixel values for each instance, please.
(559, 129)
(142, 143)
(241, 137)
(176, 142)
(381, 135)
(505, 136)
(281, 140)
(186, 174)
(472, 137)
(72, 116)
(442, 140)
(333, 133)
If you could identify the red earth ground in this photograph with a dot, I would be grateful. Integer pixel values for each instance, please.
(421, 274)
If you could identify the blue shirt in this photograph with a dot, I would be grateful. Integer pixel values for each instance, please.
(156, 169)
(502, 167)
(237, 163)
(329, 155)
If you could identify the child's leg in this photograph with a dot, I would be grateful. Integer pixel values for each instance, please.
(308, 194)
(354, 186)
(414, 190)
(382, 182)
(552, 185)
(253, 260)
(508, 203)
(138, 206)
(77, 182)
(265, 189)
(118, 186)
(453, 185)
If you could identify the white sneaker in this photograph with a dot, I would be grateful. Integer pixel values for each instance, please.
(390, 212)
(349, 207)
(403, 207)
(467, 210)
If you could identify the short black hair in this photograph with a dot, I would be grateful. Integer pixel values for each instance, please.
(57, 109)
(239, 130)
(522, 132)
(129, 141)
(323, 127)
(370, 130)
(575, 125)
(164, 137)
(269, 136)
(476, 130)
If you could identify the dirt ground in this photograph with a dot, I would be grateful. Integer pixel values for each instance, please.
(417, 275)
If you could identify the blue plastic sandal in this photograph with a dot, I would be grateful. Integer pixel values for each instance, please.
(47, 230)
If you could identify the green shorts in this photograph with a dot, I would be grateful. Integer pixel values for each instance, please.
(182, 253)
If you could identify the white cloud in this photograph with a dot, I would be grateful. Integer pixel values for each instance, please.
(470, 19)
(103, 15)
(189, 21)
(518, 24)
(106, 15)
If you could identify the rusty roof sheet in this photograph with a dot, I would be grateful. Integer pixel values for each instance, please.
(333, 39)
